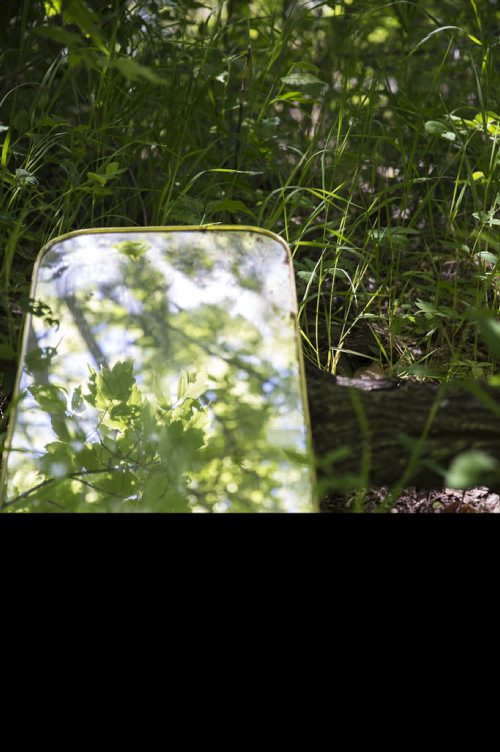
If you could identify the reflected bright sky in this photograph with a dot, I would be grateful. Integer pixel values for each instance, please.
(169, 301)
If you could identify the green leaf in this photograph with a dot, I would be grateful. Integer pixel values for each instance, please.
(134, 71)
(302, 79)
(52, 7)
(59, 461)
(40, 359)
(132, 248)
(471, 469)
(487, 256)
(478, 175)
(291, 96)
(490, 330)
(50, 398)
(475, 40)
(77, 12)
(186, 209)
(306, 275)
(111, 384)
(93, 457)
(94, 176)
(113, 169)
(77, 402)
(191, 385)
(236, 207)
(59, 35)
(117, 382)
(22, 123)
(486, 217)
(429, 308)
(179, 448)
(24, 177)
(394, 235)
(435, 128)
(159, 495)
(119, 484)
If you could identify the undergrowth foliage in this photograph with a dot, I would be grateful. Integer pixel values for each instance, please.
(365, 133)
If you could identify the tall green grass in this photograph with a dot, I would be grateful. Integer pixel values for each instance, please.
(367, 135)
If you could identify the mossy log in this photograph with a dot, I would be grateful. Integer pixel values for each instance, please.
(399, 430)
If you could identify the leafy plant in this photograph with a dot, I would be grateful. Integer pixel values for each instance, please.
(366, 134)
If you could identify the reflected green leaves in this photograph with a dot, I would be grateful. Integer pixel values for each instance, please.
(172, 382)
(132, 249)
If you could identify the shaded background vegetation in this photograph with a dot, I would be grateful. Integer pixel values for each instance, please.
(365, 133)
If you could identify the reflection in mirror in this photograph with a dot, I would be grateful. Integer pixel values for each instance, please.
(165, 377)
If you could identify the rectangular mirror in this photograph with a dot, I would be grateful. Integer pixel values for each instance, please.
(161, 372)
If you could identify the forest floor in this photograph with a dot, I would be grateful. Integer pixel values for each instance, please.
(413, 501)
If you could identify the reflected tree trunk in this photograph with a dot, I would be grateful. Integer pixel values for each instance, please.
(85, 331)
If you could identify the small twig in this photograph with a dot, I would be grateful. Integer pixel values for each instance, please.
(461, 502)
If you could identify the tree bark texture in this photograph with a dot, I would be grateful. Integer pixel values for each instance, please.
(389, 425)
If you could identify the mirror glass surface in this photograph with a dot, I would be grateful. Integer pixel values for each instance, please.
(161, 373)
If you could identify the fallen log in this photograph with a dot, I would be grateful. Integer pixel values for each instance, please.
(370, 433)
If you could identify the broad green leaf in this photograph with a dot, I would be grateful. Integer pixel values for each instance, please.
(494, 130)
(306, 275)
(179, 448)
(77, 402)
(117, 383)
(236, 207)
(429, 308)
(394, 235)
(303, 79)
(52, 7)
(93, 457)
(109, 385)
(113, 169)
(435, 128)
(22, 123)
(133, 249)
(159, 495)
(471, 469)
(134, 71)
(191, 385)
(77, 12)
(490, 330)
(117, 483)
(486, 217)
(50, 398)
(59, 35)
(59, 461)
(487, 256)
(24, 177)
(186, 209)
(100, 179)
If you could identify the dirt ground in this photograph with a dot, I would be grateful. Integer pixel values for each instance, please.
(412, 501)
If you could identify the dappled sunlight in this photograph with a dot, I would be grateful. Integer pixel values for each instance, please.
(173, 382)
